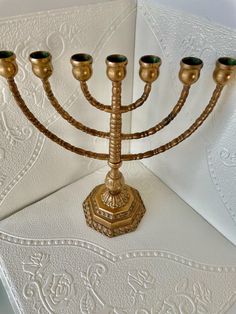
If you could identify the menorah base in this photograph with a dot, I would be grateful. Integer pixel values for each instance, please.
(113, 221)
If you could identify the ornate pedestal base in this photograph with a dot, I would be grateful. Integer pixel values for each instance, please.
(113, 221)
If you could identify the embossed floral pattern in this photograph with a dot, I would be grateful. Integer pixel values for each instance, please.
(140, 282)
(60, 287)
(228, 158)
(16, 133)
(49, 291)
(143, 291)
(186, 298)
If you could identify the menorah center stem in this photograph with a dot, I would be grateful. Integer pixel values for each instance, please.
(115, 125)
(115, 193)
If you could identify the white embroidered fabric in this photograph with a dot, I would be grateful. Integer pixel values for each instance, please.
(173, 263)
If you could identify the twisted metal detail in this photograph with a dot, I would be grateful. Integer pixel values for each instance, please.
(140, 101)
(30, 116)
(123, 109)
(65, 115)
(126, 157)
(115, 124)
(92, 100)
(124, 136)
(177, 108)
(198, 122)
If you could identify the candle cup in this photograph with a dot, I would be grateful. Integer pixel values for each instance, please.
(8, 65)
(41, 64)
(82, 66)
(190, 69)
(224, 70)
(116, 67)
(149, 68)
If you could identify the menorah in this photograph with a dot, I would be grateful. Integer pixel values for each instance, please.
(115, 208)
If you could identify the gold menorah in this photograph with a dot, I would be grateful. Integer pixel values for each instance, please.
(114, 208)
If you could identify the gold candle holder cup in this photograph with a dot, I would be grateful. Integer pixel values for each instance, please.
(116, 67)
(149, 68)
(8, 65)
(41, 64)
(224, 70)
(190, 68)
(82, 66)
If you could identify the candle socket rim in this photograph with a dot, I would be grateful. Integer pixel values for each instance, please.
(81, 58)
(226, 63)
(150, 61)
(6, 55)
(191, 63)
(116, 60)
(40, 56)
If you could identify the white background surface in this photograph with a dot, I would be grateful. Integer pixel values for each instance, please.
(223, 12)
(220, 11)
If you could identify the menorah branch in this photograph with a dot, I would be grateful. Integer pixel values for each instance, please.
(139, 102)
(198, 122)
(65, 115)
(123, 109)
(171, 116)
(31, 117)
(92, 100)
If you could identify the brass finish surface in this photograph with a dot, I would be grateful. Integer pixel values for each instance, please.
(198, 122)
(92, 100)
(114, 208)
(225, 70)
(116, 67)
(41, 64)
(65, 115)
(149, 68)
(31, 117)
(190, 69)
(8, 66)
(82, 66)
(113, 222)
(107, 108)
(177, 108)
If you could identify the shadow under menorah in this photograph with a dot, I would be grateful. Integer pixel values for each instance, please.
(114, 208)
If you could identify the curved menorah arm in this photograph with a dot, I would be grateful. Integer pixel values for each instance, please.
(30, 116)
(65, 115)
(198, 122)
(106, 108)
(139, 102)
(92, 100)
(177, 108)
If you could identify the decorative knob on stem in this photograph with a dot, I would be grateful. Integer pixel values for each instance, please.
(41, 64)
(149, 68)
(82, 66)
(225, 70)
(8, 65)
(190, 69)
